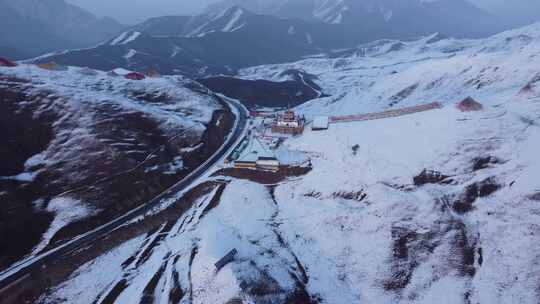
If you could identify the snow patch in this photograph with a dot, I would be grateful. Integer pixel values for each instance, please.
(66, 211)
(130, 54)
(22, 177)
(124, 38)
(291, 30)
(234, 19)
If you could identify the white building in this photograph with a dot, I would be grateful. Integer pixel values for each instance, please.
(257, 157)
(268, 163)
(320, 123)
(288, 124)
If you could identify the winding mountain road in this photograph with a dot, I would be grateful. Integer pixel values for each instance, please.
(23, 269)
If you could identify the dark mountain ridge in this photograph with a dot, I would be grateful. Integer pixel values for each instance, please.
(235, 38)
(222, 44)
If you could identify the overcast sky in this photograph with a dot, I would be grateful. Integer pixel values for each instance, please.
(134, 11)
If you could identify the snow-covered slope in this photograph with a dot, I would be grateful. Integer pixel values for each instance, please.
(395, 73)
(367, 224)
(82, 146)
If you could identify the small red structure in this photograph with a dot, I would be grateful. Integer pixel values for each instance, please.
(469, 104)
(6, 63)
(135, 76)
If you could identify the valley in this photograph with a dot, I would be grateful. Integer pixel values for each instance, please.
(292, 152)
(392, 210)
(129, 134)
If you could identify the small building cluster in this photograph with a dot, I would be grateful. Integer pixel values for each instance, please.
(53, 66)
(127, 74)
(257, 157)
(288, 123)
(131, 75)
(320, 123)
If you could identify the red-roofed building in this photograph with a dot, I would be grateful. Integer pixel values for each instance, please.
(135, 76)
(288, 123)
(469, 104)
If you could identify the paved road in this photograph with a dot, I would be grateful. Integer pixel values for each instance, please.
(21, 270)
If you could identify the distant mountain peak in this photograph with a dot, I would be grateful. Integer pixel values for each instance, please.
(330, 11)
(370, 15)
(239, 34)
(227, 20)
(39, 26)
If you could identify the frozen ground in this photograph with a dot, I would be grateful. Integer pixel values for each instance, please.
(365, 226)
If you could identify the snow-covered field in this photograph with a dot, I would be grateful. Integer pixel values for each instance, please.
(359, 228)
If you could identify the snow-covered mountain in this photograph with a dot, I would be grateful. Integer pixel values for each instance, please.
(374, 19)
(238, 34)
(208, 44)
(34, 27)
(305, 9)
(82, 147)
(228, 20)
(434, 207)
(230, 36)
(369, 67)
